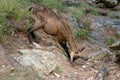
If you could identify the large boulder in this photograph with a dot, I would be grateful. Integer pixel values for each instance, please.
(107, 3)
(101, 28)
(41, 61)
(110, 3)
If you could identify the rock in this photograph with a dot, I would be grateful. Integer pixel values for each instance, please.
(37, 45)
(110, 3)
(39, 60)
(99, 27)
(115, 46)
(100, 55)
(117, 58)
(116, 51)
(115, 15)
(74, 76)
(107, 3)
(102, 73)
(102, 12)
(74, 22)
(57, 75)
(92, 2)
(71, 3)
(91, 78)
(101, 5)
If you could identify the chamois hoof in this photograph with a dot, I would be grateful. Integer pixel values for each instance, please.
(84, 58)
(72, 63)
(31, 46)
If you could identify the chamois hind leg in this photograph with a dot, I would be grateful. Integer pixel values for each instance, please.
(64, 46)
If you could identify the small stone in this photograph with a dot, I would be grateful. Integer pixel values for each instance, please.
(37, 45)
(84, 66)
(74, 75)
(91, 78)
(3, 66)
(57, 75)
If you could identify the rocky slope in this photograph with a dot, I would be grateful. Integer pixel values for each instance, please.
(19, 62)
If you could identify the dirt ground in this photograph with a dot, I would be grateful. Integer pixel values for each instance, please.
(83, 70)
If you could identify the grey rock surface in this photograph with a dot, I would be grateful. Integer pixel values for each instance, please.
(39, 60)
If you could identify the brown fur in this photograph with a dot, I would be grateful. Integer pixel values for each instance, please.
(53, 25)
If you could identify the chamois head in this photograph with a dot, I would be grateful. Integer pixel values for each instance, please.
(43, 10)
(38, 8)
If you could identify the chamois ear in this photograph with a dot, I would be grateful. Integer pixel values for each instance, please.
(30, 8)
(80, 50)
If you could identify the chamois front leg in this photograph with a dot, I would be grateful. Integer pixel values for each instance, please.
(37, 25)
(30, 35)
(73, 48)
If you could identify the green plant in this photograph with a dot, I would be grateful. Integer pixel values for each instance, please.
(84, 30)
(38, 77)
(54, 4)
(5, 26)
(117, 35)
(110, 41)
(81, 34)
(77, 12)
(58, 69)
(13, 8)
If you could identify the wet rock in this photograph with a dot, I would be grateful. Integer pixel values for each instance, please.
(39, 60)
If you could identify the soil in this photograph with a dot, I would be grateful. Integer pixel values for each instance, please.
(83, 70)
(69, 72)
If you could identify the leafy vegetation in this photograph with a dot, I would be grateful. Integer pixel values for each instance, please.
(110, 41)
(18, 10)
(17, 74)
(4, 26)
(83, 32)
(58, 69)
(11, 10)
(79, 12)
(54, 4)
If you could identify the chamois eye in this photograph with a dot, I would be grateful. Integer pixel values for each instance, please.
(76, 52)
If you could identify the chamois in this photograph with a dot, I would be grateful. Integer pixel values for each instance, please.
(55, 26)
